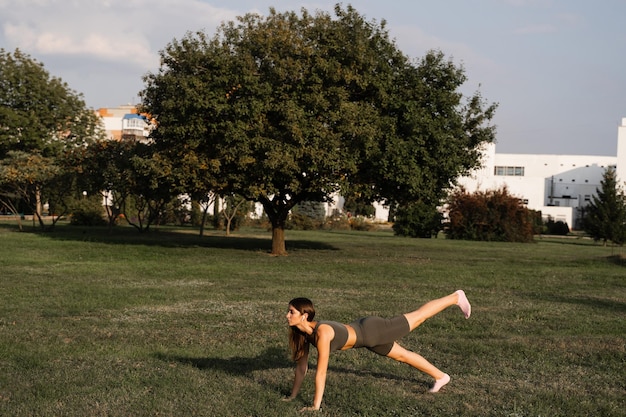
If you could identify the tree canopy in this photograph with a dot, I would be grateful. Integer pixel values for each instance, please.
(41, 122)
(40, 113)
(295, 107)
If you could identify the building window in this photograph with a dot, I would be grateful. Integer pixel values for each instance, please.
(509, 171)
(135, 124)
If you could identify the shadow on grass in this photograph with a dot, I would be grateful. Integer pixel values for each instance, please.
(175, 238)
(600, 303)
(367, 373)
(272, 358)
(618, 260)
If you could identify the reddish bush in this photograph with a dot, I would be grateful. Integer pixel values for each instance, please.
(493, 215)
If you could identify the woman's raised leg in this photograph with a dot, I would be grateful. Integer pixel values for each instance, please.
(431, 308)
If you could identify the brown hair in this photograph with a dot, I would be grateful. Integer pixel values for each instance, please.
(298, 340)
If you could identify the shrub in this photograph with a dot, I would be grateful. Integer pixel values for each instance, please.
(308, 215)
(559, 227)
(493, 215)
(337, 221)
(87, 212)
(418, 220)
(300, 221)
(356, 207)
(360, 223)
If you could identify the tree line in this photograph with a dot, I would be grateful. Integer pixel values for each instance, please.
(279, 109)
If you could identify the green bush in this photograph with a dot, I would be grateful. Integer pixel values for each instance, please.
(356, 207)
(300, 221)
(418, 220)
(308, 215)
(559, 227)
(88, 212)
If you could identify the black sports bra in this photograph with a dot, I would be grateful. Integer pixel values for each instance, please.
(341, 334)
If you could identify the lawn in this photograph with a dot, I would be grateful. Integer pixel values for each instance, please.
(170, 324)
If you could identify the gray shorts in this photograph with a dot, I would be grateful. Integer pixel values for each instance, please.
(378, 334)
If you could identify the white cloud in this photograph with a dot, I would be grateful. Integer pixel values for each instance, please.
(96, 44)
(124, 31)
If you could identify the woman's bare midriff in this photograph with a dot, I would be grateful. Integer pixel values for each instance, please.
(351, 338)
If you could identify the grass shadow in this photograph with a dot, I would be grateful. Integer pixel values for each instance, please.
(378, 375)
(271, 358)
(166, 237)
(594, 302)
(617, 260)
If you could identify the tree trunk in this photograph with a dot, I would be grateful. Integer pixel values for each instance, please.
(278, 241)
(38, 205)
(205, 213)
(277, 214)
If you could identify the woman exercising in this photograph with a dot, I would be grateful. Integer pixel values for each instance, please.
(374, 333)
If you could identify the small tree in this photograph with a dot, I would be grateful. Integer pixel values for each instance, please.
(233, 205)
(605, 216)
(133, 180)
(104, 168)
(493, 215)
(24, 176)
(151, 187)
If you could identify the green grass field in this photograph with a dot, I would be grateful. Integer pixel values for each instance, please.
(170, 324)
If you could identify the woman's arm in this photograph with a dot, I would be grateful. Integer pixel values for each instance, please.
(301, 367)
(325, 335)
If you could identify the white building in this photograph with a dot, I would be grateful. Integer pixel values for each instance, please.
(124, 122)
(556, 185)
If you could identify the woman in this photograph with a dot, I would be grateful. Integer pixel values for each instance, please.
(374, 333)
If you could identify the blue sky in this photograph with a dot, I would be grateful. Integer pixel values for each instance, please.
(557, 68)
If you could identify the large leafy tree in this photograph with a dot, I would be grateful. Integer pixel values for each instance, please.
(295, 107)
(605, 216)
(41, 121)
(38, 112)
